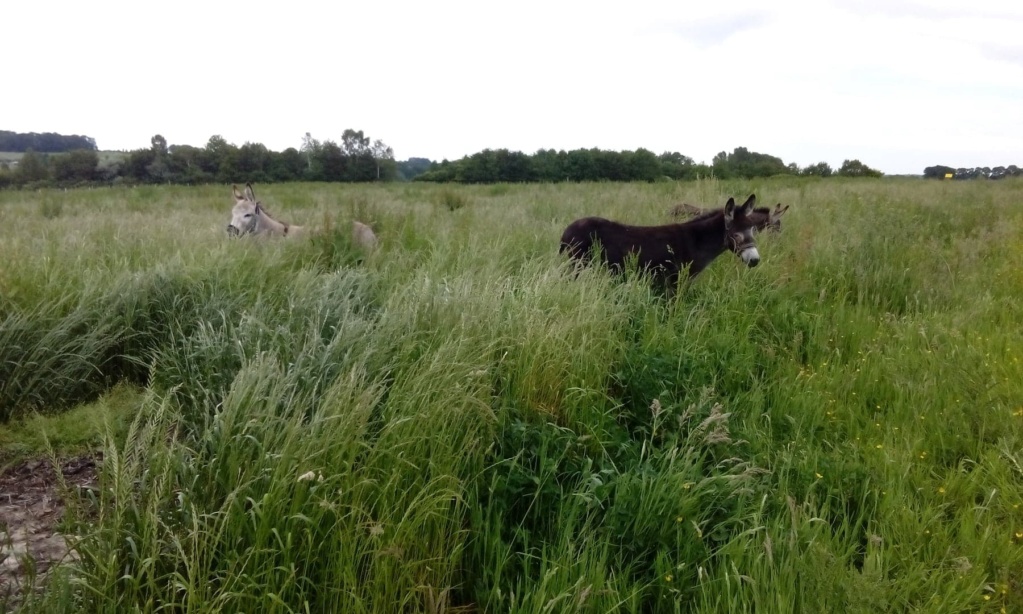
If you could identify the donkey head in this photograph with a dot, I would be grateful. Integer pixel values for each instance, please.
(775, 223)
(739, 231)
(765, 219)
(246, 211)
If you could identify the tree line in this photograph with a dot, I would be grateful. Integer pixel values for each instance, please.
(548, 165)
(46, 142)
(979, 172)
(355, 158)
(358, 158)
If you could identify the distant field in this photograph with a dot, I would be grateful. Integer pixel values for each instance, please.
(105, 157)
(458, 423)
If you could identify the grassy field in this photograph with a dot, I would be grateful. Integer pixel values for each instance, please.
(456, 423)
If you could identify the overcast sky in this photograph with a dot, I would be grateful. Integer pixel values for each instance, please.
(897, 84)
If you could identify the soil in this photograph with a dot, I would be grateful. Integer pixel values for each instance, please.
(31, 510)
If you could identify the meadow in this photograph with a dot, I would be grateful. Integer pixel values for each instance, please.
(457, 423)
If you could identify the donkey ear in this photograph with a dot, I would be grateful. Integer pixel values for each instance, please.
(249, 194)
(778, 211)
(729, 209)
(237, 195)
(748, 205)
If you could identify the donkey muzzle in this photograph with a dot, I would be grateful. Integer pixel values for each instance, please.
(750, 256)
(231, 230)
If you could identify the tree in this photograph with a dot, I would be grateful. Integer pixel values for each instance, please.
(328, 163)
(354, 143)
(675, 165)
(442, 172)
(821, 169)
(186, 164)
(611, 165)
(549, 165)
(252, 162)
(359, 162)
(744, 163)
(49, 142)
(413, 167)
(76, 166)
(855, 168)
(159, 145)
(31, 168)
(480, 167)
(722, 169)
(136, 164)
(288, 165)
(310, 147)
(643, 165)
(384, 157)
(580, 165)
(157, 169)
(220, 159)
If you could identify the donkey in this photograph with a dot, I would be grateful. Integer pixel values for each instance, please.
(363, 236)
(763, 217)
(773, 220)
(249, 217)
(667, 251)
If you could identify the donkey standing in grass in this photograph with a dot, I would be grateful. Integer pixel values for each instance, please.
(763, 217)
(667, 251)
(249, 217)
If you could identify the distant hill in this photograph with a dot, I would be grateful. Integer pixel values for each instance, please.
(46, 142)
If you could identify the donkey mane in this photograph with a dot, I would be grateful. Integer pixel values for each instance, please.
(264, 211)
(764, 218)
(709, 212)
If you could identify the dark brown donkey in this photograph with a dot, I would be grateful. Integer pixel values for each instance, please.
(666, 251)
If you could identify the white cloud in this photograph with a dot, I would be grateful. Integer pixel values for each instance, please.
(895, 84)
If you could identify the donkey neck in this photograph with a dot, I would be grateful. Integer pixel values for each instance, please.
(707, 236)
(269, 225)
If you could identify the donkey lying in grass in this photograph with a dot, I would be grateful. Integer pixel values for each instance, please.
(363, 236)
(763, 217)
(667, 251)
(249, 217)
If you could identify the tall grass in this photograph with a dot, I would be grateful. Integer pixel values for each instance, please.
(459, 423)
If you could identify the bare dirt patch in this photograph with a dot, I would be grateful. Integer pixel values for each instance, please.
(31, 509)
